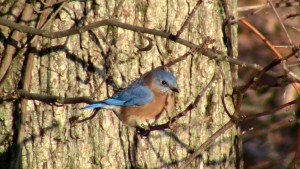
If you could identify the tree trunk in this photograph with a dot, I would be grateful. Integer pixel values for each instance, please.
(78, 65)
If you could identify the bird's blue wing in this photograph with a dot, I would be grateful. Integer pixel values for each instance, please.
(132, 96)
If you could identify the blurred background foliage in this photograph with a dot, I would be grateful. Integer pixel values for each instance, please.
(270, 141)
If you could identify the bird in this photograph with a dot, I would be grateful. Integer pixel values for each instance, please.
(143, 100)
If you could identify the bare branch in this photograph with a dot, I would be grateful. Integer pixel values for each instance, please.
(227, 126)
(290, 74)
(253, 82)
(282, 25)
(269, 112)
(90, 117)
(281, 4)
(22, 94)
(213, 54)
(254, 9)
(223, 95)
(207, 143)
(147, 47)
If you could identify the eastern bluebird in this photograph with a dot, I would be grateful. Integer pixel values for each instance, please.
(143, 100)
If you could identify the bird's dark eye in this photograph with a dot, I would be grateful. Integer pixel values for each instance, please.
(164, 83)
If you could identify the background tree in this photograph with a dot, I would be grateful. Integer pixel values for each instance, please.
(95, 48)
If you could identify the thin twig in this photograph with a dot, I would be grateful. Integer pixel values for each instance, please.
(28, 73)
(207, 143)
(15, 37)
(269, 112)
(282, 25)
(90, 117)
(281, 4)
(117, 8)
(230, 37)
(288, 121)
(147, 47)
(223, 94)
(253, 82)
(189, 17)
(19, 118)
(292, 16)
(291, 75)
(252, 7)
(252, 10)
(180, 58)
(227, 126)
(247, 15)
(187, 109)
(284, 64)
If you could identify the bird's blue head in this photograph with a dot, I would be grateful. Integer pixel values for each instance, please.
(165, 81)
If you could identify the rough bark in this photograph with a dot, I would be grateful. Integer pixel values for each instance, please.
(76, 66)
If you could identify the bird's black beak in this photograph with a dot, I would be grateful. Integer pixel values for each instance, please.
(175, 90)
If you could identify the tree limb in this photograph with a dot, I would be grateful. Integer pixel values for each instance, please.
(22, 94)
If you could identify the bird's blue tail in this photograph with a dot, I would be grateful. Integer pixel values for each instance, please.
(94, 106)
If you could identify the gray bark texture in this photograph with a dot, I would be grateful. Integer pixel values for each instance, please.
(76, 66)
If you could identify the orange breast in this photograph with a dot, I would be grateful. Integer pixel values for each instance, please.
(162, 103)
